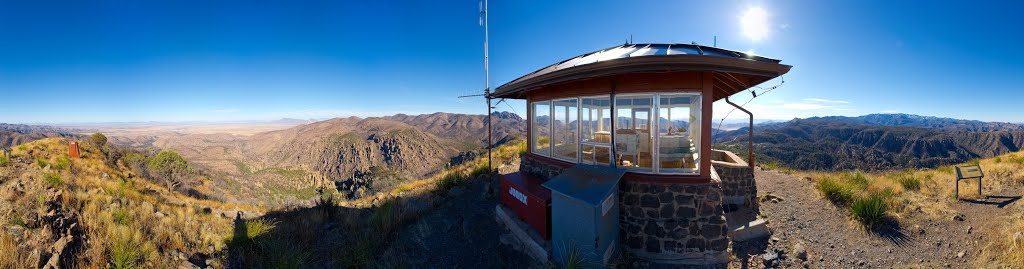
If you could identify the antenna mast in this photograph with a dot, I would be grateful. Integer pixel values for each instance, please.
(487, 84)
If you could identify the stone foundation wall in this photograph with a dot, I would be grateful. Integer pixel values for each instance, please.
(665, 225)
(738, 185)
(538, 169)
(671, 225)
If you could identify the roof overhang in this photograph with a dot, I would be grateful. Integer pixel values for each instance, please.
(734, 71)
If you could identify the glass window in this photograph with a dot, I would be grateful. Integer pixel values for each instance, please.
(655, 133)
(678, 133)
(566, 118)
(595, 125)
(540, 142)
(633, 132)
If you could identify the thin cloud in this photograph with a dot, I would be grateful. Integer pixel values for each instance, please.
(819, 100)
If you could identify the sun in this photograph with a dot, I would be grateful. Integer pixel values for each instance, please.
(754, 23)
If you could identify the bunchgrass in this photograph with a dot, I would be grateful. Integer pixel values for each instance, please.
(834, 190)
(908, 181)
(574, 258)
(124, 250)
(121, 216)
(388, 217)
(479, 169)
(450, 180)
(63, 162)
(53, 179)
(4, 160)
(870, 210)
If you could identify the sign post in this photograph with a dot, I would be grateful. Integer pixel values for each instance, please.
(968, 172)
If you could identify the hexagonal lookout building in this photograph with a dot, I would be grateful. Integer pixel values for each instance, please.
(645, 109)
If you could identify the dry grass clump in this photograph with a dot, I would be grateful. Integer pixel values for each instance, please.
(868, 198)
(10, 255)
(1006, 250)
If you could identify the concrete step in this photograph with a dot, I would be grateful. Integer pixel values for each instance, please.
(750, 230)
(527, 240)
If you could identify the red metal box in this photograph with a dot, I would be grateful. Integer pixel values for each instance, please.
(525, 195)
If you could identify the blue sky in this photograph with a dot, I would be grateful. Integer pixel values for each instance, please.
(102, 61)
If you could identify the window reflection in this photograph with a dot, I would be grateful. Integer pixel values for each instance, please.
(565, 130)
(595, 135)
(633, 132)
(678, 133)
(540, 141)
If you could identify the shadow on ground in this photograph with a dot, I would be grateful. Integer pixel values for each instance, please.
(891, 230)
(997, 200)
(456, 229)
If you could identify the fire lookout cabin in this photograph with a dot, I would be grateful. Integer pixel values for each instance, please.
(645, 109)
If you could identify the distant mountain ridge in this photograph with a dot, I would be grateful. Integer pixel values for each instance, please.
(927, 122)
(17, 134)
(876, 142)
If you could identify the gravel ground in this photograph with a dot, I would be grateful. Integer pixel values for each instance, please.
(461, 232)
(802, 221)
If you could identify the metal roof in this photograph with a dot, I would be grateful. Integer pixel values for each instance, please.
(646, 57)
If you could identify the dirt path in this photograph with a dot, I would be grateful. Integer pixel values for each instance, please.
(832, 240)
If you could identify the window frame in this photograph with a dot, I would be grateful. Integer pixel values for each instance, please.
(654, 127)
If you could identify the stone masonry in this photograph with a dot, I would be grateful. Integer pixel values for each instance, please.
(665, 225)
(672, 225)
(738, 186)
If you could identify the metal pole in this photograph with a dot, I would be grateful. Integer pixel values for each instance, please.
(750, 135)
(487, 91)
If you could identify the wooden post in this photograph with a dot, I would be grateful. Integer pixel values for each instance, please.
(73, 150)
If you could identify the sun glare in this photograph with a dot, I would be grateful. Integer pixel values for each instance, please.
(755, 23)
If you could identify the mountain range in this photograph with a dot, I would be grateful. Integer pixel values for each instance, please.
(357, 155)
(17, 134)
(876, 141)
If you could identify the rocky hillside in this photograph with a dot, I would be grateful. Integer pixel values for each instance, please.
(17, 134)
(356, 155)
(60, 212)
(466, 127)
(876, 142)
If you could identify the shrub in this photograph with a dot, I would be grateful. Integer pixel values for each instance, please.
(973, 162)
(4, 160)
(98, 139)
(53, 179)
(124, 250)
(834, 190)
(908, 181)
(171, 167)
(870, 210)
